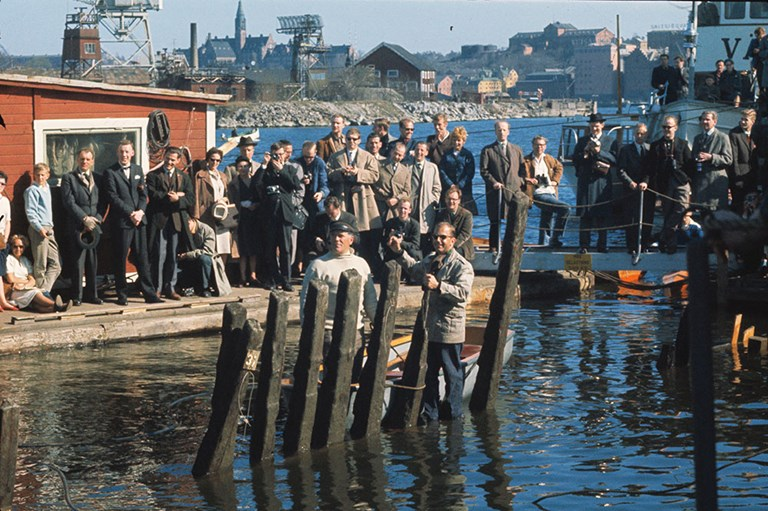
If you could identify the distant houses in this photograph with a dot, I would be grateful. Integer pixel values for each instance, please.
(396, 68)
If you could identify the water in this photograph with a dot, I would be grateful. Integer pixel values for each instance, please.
(582, 415)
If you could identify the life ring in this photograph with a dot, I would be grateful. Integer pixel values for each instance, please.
(158, 131)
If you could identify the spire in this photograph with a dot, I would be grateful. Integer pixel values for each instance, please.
(240, 31)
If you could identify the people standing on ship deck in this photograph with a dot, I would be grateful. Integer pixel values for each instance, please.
(84, 213)
(125, 192)
(381, 128)
(425, 193)
(405, 228)
(633, 172)
(394, 182)
(39, 210)
(542, 182)
(713, 153)
(440, 142)
(334, 141)
(664, 80)
(682, 78)
(742, 174)
(446, 278)
(730, 85)
(502, 168)
(406, 126)
(594, 159)
(671, 162)
(457, 167)
(461, 220)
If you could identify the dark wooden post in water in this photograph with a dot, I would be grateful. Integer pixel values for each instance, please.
(502, 303)
(301, 410)
(702, 385)
(333, 399)
(267, 402)
(370, 395)
(405, 400)
(238, 354)
(9, 443)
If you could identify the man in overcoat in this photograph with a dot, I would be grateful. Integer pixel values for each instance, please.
(633, 172)
(742, 175)
(502, 169)
(713, 154)
(425, 193)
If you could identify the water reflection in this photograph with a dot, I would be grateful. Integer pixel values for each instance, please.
(581, 412)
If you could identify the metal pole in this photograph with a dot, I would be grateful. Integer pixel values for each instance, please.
(498, 234)
(618, 65)
(639, 250)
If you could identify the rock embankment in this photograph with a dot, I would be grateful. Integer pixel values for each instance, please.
(318, 113)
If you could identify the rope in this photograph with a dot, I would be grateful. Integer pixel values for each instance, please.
(406, 387)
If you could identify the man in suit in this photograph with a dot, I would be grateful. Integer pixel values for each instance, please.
(126, 194)
(713, 153)
(280, 182)
(542, 181)
(352, 173)
(406, 126)
(670, 162)
(664, 80)
(439, 143)
(501, 167)
(593, 159)
(425, 194)
(170, 198)
(333, 142)
(394, 182)
(80, 197)
(634, 174)
(461, 219)
(742, 175)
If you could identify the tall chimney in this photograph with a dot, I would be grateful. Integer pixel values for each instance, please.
(193, 45)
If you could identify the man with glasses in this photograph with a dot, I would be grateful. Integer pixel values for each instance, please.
(45, 250)
(406, 138)
(126, 195)
(670, 160)
(352, 173)
(446, 279)
(542, 182)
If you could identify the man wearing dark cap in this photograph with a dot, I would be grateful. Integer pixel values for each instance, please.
(329, 268)
(593, 159)
(247, 147)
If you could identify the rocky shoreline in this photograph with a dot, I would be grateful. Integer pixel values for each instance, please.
(317, 113)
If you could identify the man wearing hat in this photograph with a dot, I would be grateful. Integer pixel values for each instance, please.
(80, 196)
(594, 158)
(329, 268)
(247, 147)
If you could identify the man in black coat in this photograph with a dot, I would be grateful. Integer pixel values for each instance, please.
(742, 175)
(126, 194)
(279, 183)
(80, 196)
(665, 80)
(170, 198)
(406, 229)
(633, 173)
(670, 162)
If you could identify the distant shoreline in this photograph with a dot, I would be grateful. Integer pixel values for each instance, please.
(284, 114)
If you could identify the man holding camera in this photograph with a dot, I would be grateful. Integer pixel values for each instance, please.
(405, 228)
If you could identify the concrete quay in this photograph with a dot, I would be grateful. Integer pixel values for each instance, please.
(92, 325)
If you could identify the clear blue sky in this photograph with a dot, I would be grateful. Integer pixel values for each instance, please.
(36, 26)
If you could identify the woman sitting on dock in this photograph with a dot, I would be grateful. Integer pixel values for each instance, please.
(23, 290)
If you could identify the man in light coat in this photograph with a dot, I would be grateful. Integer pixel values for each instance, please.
(352, 173)
(447, 282)
(425, 193)
(713, 154)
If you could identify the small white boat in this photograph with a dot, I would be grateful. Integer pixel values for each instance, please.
(232, 142)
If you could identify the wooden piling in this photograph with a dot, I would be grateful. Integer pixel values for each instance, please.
(405, 398)
(333, 397)
(266, 405)
(370, 396)
(758, 345)
(702, 385)
(9, 444)
(238, 353)
(748, 332)
(491, 356)
(306, 373)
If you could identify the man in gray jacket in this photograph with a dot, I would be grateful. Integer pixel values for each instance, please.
(447, 282)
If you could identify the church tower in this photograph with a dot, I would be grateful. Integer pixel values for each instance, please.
(240, 32)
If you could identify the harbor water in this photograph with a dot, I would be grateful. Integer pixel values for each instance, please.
(583, 418)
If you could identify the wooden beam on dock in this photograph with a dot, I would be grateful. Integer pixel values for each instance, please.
(702, 384)
(9, 443)
(405, 397)
(267, 402)
(297, 435)
(240, 342)
(502, 303)
(333, 398)
(370, 396)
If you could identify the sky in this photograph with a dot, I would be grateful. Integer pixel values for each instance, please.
(35, 27)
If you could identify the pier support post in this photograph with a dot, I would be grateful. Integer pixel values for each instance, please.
(238, 354)
(306, 373)
(370, 395)
(333, 398)
(502, 303)
(405, 400)
(702, 385)
(9, 443)
(267, 401)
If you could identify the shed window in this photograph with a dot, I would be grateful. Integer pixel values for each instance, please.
(89, 48)
(393, 73)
